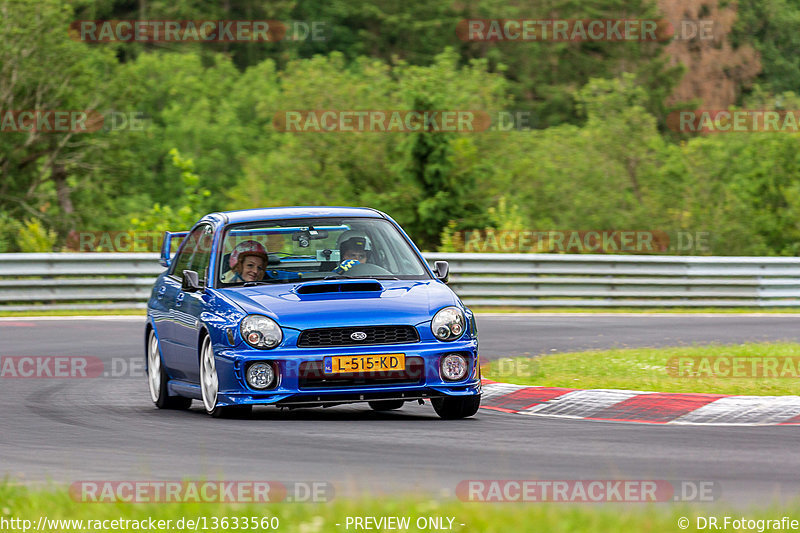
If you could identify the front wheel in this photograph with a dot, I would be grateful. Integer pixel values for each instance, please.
(209, 386)
(455, 407)
(157, 379)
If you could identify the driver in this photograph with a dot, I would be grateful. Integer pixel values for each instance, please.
(354, 249)
(354, 245)
(248, 262)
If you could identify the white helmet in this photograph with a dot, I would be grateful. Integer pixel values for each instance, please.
(354, 239)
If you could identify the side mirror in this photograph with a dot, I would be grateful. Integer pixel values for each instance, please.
(166, 246)
(442, 270)
(165, 260)
(191, 281)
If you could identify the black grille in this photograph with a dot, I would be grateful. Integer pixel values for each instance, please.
(317, 338)
(312, 376)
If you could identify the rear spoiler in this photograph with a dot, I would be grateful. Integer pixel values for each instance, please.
(166, 246)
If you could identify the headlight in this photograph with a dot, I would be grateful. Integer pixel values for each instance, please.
(448, 324)
(261, 332)
(260, 375)
(454, 367)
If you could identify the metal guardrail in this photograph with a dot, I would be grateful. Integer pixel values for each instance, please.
(76, 280)
(583, 280)
(120, 280)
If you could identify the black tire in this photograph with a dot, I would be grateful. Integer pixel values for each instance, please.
(455, 407)
(175, 402)
(208, 370)
(163, 399)
(386, 405)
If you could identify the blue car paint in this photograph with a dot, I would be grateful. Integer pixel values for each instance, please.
(180, 319)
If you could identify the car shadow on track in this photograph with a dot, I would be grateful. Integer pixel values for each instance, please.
(339, 413)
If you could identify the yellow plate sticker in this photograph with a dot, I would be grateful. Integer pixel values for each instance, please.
(339, 364)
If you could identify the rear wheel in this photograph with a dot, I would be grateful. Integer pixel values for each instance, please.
(455, 407)
(209, 386)
(157, 379)
(386, 405)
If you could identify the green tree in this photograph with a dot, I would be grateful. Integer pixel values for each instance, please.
(771, 27)
(195, 202)
(43, 70)
(35, 237)
(544, 75)
(369, 168)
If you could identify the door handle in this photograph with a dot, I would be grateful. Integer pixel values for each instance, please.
(179, 299)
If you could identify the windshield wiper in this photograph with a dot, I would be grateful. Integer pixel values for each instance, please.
(263, 282)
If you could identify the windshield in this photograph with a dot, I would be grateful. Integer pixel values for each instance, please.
(283, 251)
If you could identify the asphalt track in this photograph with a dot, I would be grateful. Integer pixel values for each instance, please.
(106, 428)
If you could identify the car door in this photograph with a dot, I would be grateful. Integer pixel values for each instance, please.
(189, 306)
(170, 293)
(162, 318)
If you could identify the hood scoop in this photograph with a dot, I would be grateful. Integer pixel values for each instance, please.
(347, 286)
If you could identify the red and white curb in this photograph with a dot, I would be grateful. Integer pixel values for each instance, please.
(640, 406)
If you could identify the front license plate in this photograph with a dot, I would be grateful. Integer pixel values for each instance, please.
(339, 364)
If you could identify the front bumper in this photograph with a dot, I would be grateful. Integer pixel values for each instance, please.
(294, 388)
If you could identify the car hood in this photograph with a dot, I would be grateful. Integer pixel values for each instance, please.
(355, 302)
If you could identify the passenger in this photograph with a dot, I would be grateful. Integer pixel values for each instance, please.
(248, 262)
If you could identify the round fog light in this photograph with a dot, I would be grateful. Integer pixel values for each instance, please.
(454, 367)
(260, 375)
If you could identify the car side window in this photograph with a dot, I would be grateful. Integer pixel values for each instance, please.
(202, 254)
(194, 252)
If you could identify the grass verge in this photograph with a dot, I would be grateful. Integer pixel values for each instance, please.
(27, 504)
(760, 369)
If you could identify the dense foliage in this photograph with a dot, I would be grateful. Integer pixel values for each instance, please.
(199, 133)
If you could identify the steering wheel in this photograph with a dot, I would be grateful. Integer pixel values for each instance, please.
(367, 269)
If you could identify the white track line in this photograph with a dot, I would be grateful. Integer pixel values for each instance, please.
(744, 410)
(582, 403)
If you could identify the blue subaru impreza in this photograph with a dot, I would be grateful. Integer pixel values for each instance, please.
(304, 307)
